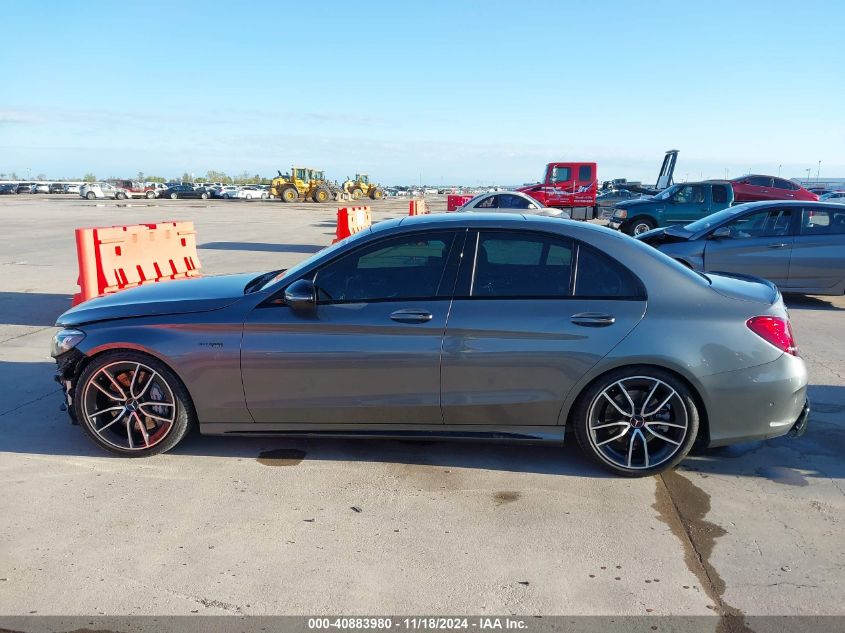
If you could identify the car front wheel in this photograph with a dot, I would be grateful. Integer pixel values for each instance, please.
(638, 226)
(637, 421)
(132, 405)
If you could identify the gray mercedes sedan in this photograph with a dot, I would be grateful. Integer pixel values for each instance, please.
(486, 326)
(800, 246)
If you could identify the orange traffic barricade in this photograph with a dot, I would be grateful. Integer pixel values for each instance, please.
(418, 207)
(117, 257)
(352, 220)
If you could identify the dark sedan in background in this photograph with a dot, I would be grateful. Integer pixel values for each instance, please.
(185, 191)
(800, 246)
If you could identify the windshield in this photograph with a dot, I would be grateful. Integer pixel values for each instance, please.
(667, 193)
(712, 220)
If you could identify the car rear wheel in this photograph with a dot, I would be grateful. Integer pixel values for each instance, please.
(248, 196)
(120, 196)
(90, 195)
(150, 195)
(204, 196)
(174, 196)
(636, 421)
(132, 405)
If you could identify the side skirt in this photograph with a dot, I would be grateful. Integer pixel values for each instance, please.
(535, 434)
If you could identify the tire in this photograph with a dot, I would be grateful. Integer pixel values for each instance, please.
(376, 194)
(120, 196)
(108, 387)
(248, 196)
(90, 195)
(149, 195)
(639, 225)
(174, 196)
(656, 398)
(289, 194)
(204, 196)
(321, 194)
(357, 193)
(264, 196)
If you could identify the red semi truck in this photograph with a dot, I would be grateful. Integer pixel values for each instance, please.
(570, 186)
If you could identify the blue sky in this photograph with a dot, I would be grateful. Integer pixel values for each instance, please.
(446, 92)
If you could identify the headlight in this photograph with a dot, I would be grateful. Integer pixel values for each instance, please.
(620, 213)
(66, 340)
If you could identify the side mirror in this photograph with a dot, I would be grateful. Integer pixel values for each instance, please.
(721, 233)
(301, 296)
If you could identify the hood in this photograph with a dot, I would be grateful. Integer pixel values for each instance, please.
(201, 294)
(531, 188)
(630, 204)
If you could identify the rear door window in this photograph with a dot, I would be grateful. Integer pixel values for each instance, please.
(720, 194)
(510, 201)
(823, 222)
(760, 181)
(522, 266)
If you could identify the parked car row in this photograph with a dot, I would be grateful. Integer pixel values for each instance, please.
(33, 187)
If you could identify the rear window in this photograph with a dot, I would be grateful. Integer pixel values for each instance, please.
(720, 193)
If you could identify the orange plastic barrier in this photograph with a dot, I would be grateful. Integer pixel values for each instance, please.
(117, 257)
(352, 220)
(418, 207)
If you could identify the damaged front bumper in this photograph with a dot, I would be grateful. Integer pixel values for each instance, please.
(67, 370)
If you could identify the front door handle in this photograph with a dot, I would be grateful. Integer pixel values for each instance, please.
(592, 319)
(781, 245)
(410, 315)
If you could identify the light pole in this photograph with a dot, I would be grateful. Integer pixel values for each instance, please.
(779, 167)
(818, 171)
(809, 169)
(726, 173)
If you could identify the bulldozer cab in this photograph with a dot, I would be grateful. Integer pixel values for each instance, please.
(301, 173)
(362, 178)
(318, 175)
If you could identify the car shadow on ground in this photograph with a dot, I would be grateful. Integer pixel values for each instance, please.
(808, 302)
(261, 247)
(32, 308)
(32, 423)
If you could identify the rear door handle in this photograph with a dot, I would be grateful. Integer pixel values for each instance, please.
(410, 315)
(781, 245)
(592, 319)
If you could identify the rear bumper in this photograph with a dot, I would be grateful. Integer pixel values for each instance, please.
(757, 403)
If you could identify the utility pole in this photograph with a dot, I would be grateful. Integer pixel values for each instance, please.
(779, 166)
(818, 171)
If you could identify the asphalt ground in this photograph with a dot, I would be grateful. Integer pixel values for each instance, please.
(276, 526)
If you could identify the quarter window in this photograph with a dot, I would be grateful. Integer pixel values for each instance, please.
(409, 267)
(490, 202)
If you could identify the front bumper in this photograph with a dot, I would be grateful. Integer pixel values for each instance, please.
(67, 371)
(615, 223)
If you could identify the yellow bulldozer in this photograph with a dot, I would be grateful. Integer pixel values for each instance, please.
(361, 187)
(303, 183)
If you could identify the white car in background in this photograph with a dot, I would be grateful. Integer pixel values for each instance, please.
(250, 192)
(71, 188)
(102, 190)
(836, 197)
(510, 202)
(40, 188)
(226, 191)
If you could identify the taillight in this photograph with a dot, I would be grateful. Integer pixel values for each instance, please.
(774, 330)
